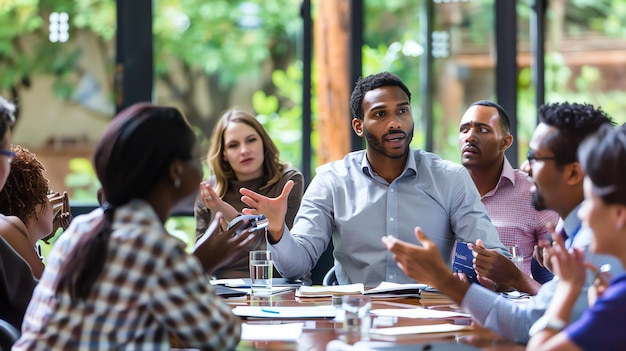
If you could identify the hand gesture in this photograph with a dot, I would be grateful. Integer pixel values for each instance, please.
(600, 283)
(570, 267)
(213, 202)
(274, 209)
(422, 263)
(216, 248)
(492, 266)
(541, 251)
(62, 216)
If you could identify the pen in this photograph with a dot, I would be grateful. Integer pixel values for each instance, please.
(269, 311)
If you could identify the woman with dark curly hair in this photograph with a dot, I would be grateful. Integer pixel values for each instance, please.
(16, 279)
(28, 212)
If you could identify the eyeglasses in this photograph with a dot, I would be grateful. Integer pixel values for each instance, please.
(9, 154)
(532, 157)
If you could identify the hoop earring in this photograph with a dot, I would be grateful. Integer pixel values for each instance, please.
(177, 183)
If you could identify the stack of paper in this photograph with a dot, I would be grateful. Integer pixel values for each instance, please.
(333, 290)
(245, 282)
(420, 329)
(384, 289)
(388, 288)
(418, 312)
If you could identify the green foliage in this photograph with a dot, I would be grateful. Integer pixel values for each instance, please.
(225, 37)
(264, 104)
(82, 180)
(284, 122)
(601, 16)
(184, 228)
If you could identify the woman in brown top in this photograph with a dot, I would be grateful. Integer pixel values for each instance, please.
(242, 154)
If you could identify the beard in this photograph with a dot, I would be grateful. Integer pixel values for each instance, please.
(537, 201)
(377, 143)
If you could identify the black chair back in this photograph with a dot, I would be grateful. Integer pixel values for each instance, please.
(8, 335)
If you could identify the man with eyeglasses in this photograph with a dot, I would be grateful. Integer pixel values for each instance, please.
(557, 184)
(484, 136)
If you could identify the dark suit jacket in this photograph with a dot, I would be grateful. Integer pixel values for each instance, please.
(16, 285)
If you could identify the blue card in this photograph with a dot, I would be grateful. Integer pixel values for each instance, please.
(462, 262)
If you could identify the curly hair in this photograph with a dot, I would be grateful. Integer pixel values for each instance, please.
(26, 186)
(374, 81)
(574, 122)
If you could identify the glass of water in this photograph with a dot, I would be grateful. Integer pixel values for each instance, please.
(357, 314)
(517, 257)
(261, 271)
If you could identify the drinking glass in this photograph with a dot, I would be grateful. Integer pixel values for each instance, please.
(357, 314)
(517, 257)
(261, 271)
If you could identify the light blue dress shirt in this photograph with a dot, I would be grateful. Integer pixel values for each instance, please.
(348, 202)
(513, 319)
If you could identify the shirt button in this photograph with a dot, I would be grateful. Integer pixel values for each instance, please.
(392, 190)
(391, 219)
(391, 276)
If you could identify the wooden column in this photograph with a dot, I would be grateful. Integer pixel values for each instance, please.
(330, 36)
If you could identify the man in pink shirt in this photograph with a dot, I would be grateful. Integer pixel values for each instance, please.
(484, 136)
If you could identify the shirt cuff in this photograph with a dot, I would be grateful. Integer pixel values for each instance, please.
(478, 301)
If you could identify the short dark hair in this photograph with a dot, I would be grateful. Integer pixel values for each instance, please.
(603, 157)
(371, 82)
(575, 122)
(7, 116)
(505, 121)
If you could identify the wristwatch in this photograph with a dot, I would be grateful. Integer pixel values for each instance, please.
(547, 322)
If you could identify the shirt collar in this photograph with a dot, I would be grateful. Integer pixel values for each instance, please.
(411, 164)
(507, 173)
(572, 223)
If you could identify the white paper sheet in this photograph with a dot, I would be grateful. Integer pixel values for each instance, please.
(417, 313)
(320, 291)
(271, 332)
(275, 290)
(230, 282)
(285, 311)
(420, 329)
(389, 287)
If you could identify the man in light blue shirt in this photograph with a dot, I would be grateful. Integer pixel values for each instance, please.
(558, 185)
(386, 189)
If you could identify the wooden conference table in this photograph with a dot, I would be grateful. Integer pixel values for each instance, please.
(317, 333)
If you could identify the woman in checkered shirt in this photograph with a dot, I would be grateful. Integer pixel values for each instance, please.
(116, 279)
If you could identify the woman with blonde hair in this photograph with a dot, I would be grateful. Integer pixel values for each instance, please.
(242, 155)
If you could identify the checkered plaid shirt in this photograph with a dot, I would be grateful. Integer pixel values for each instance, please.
(510, 210)
(150, 289)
